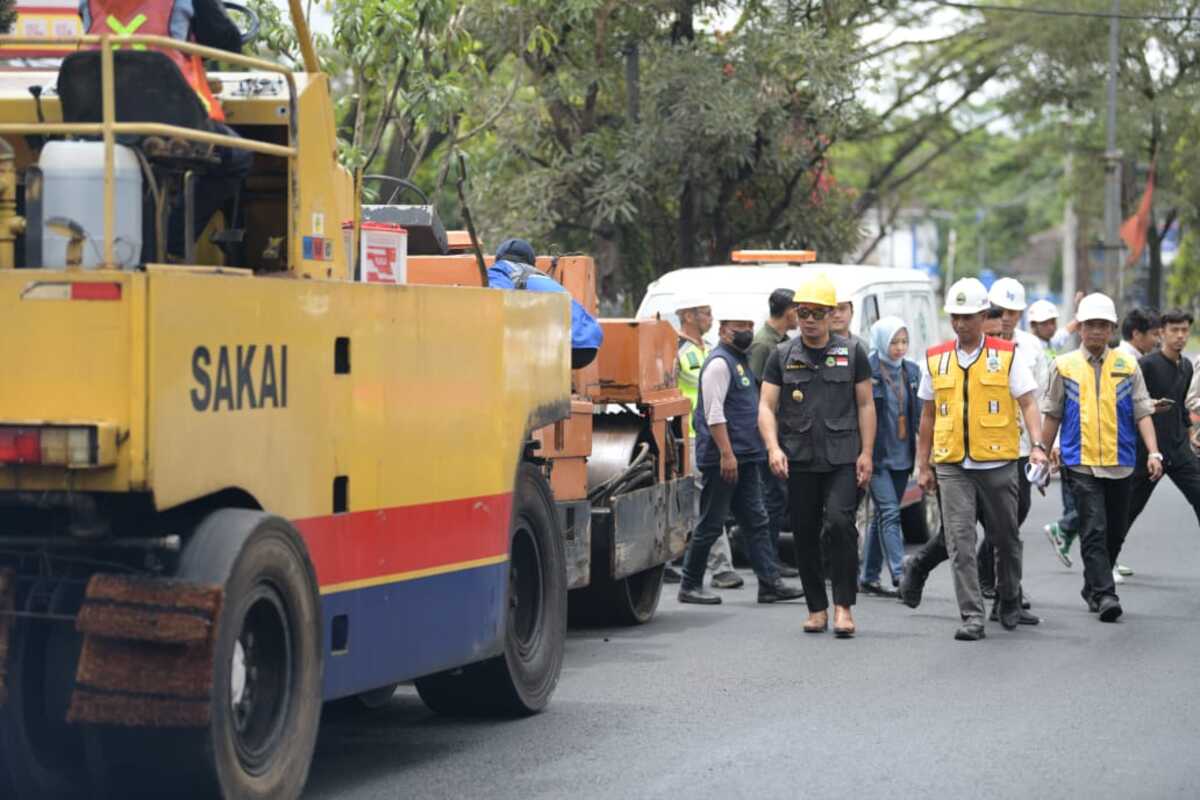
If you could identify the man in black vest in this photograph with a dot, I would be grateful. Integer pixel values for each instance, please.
(729, 453)
(817, 416)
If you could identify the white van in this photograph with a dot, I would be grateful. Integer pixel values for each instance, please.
(742, 290)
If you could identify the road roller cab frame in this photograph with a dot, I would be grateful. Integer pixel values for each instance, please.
(235, 486)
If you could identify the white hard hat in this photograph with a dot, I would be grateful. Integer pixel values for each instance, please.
(843, 293)
(1097, 306)
(686, 301)
(966, 296)
(1042, 310)
(1008, 293)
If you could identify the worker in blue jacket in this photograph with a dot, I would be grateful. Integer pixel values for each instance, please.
(513, 269)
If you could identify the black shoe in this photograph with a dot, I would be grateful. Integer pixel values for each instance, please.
(878, 589)
(1027, 618)
(970, 633)
(912, 582)
(778, 592)
(989, 592)
(1093, 605)
(727, 580)
(671, 574)
(698, 596)
(787, 571)
(1010, 614)
(1110, 608)
(1025, 602)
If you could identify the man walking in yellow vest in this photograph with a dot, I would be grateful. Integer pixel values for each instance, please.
(973, 387)
(1098, 398)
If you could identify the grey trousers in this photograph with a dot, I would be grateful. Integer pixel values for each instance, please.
(989, 495)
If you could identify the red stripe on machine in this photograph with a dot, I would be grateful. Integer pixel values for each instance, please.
(368, 545)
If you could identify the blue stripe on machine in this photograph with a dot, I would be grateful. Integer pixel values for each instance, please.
(399, 631)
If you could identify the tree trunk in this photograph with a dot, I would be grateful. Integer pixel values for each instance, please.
(687, 226)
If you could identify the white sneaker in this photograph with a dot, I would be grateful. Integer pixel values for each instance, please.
(1118, 577)
(1124, 570)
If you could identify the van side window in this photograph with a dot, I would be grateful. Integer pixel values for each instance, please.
(922, 319)
(870, 315)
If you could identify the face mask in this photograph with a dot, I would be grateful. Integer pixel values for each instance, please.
(742, 340)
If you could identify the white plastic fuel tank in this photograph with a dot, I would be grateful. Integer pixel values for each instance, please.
(73, 188)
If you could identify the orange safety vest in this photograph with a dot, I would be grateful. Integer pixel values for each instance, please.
(147, 18)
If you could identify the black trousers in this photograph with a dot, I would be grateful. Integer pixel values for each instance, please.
(775, 497)
(825, 501)
(934, 552)
(718, 500)
(987, 554)
(1103, 506)
(1184, 472)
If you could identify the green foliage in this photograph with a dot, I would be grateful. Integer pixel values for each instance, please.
(8, 15)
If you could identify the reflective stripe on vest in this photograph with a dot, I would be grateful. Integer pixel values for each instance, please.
(974, 411)
(1098, 429)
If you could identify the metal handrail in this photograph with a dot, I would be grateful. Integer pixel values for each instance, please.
(109, 128)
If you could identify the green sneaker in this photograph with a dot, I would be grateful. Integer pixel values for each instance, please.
(1060, 542)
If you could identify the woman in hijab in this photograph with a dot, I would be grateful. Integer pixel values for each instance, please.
(894, 384)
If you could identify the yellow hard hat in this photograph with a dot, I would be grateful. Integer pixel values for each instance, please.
(817, 290)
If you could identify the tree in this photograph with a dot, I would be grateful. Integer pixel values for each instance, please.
(657, 141)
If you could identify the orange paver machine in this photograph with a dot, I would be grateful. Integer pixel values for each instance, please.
(620, 468)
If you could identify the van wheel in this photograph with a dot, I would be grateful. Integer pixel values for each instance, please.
(626, 601)
(520, 680)
(922, 520)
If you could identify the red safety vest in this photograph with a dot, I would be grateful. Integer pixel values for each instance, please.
(147, 18)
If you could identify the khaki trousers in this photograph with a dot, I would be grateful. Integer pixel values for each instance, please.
(989, 495)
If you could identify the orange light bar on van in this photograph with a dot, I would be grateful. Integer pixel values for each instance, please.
(773, 256)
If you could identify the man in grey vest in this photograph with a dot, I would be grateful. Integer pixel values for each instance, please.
(729, 453)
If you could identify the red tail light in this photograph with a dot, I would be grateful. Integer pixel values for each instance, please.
(95, 291)
(20, 446)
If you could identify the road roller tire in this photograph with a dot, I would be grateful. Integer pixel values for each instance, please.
(268, 657)
(521, 680)
(41, 756)
(626, 601)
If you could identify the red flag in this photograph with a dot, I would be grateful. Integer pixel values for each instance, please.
(1133, 230)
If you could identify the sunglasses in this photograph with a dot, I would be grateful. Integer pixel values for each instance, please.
(815, 313)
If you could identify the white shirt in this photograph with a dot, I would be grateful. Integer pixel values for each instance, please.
(1128, 349)
(714, 385)
(1020, 383)
(1031, 349)
(1192, 400)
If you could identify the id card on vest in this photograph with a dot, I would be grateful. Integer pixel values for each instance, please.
(818, 413)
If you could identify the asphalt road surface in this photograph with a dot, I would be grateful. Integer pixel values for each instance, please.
(735, 701)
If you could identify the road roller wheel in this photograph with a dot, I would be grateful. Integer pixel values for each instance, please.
(41, 756)
(520, 680)
(626, 601)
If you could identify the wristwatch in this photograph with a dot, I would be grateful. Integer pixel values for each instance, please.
(1156, 456)
(1040, 446)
